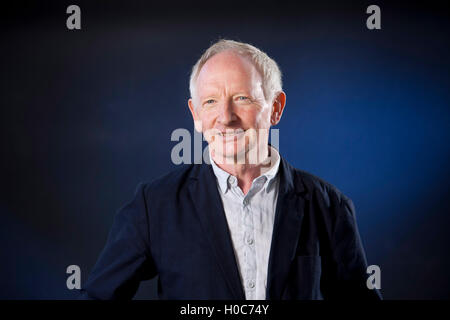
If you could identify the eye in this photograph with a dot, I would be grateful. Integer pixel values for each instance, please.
(242, 98)
(210, 101)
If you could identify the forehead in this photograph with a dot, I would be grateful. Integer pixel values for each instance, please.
(227, 70)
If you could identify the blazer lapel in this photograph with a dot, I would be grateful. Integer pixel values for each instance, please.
(286, 231)
(209, 209)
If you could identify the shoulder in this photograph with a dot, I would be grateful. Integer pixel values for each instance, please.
(328, 203)
(318, 185)
(170, 182)
(321, 191)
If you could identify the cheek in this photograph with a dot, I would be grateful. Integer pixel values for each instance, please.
(206, 119)
(263, 118)
(250, 117)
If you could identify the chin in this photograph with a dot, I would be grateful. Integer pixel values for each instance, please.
(231, 154)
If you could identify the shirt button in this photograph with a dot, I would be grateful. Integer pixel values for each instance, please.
(251, 284)
(249, 241)
(232, 180)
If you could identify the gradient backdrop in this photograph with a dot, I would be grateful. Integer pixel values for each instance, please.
(86, 115)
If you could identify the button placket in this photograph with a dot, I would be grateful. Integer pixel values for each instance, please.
(250, 217)
(249, 250)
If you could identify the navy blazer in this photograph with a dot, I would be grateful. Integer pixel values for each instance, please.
(176, 228)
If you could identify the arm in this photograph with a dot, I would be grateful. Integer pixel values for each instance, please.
(126, 259)
(348, 279)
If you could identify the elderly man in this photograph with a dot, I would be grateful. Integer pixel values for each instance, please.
(248, 226)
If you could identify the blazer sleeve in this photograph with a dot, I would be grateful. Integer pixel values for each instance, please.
(126, 259)
(350, 264)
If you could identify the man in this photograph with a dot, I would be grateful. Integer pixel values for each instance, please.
(248, 226)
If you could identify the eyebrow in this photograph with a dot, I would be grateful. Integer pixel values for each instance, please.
(239, 93)
(211, 91)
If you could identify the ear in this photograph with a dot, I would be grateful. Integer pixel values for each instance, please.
(197, 121)
(277, 108)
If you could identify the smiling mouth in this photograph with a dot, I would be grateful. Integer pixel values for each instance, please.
(231, 134)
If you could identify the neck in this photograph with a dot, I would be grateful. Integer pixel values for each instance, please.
(245, 172)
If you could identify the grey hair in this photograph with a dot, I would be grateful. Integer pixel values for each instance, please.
(268, 68)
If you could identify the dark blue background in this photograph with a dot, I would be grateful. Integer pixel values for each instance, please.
(86, 115)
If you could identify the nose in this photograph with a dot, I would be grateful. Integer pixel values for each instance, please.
(226, 113)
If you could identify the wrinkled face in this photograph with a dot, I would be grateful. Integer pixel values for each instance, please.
(230, 108)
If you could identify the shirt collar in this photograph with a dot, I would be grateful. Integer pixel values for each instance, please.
(270, 173)
(221, 175)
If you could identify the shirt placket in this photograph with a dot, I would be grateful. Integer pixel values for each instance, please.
(249, 254)
(249, 250)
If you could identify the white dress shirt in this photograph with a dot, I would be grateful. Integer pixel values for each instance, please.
(250, 220)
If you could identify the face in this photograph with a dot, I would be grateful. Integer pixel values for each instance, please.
(230, 108)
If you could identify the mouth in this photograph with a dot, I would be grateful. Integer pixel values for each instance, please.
(230, 135)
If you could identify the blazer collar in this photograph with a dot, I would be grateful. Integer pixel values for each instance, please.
(292, 198)
(287, 225)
